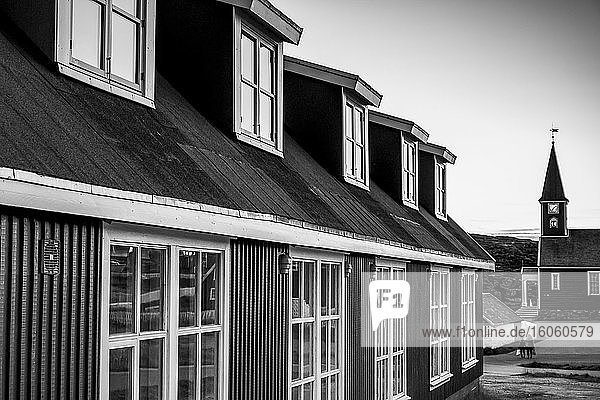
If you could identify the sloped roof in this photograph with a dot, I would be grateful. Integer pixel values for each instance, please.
(55, 126)
(580, 249)
(553, 187)
(496, 312)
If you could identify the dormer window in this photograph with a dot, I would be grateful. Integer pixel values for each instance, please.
(109, 44)
(440, 189)
(409, 171)
(258, 88)
(355, 144)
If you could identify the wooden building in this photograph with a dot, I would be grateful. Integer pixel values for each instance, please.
(186, 213)
(567, 281)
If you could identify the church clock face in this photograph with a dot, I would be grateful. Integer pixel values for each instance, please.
(553, 208)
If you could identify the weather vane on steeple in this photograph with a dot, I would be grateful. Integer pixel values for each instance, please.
(553, 131)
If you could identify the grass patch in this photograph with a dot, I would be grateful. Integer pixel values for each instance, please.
(487, 351)
(565, 366)
(575, 377)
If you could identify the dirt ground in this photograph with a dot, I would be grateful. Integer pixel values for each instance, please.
(526, 387)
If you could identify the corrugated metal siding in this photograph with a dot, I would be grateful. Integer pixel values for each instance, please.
(359, 364)
(259, 322)
(48, 324)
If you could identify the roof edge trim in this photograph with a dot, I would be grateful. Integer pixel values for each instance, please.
(333, 76)
(440, 151)
(71, 197)
(273, 17)
(401, 124)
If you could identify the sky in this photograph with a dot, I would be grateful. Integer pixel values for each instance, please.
(485, 78)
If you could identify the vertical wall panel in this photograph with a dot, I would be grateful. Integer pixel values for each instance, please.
(359, 362)
(48, 324)
(259, 322)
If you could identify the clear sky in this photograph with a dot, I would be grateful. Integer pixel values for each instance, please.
(486, 78)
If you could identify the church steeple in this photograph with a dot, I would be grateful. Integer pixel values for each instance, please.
(553, 201)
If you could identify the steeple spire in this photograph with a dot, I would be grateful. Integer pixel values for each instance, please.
(553, 187)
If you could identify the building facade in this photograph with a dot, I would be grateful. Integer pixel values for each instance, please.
(187, 213)
(565, 286)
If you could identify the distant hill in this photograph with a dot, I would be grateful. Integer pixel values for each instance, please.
(511, 254)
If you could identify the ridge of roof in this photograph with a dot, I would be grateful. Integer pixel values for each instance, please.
(272, 16)
(334, 76)
(553, 187)
(394, 122)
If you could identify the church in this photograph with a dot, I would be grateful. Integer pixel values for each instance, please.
(566, 284)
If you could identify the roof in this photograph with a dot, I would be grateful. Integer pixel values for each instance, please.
(62, 128)
(334, 76)
(553, 187)
(401, 124)
(438, 150)
(581, 248)
(495, 312)
(269, 14)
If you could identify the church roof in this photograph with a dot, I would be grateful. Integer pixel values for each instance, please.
(553, 187)
(580, 249)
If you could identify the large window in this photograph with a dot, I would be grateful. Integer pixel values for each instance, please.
(594, 283)
(390, 360)
(107, 43)
(467, 316)
(316, 330)
(439, 288)
(440, 189)
(258, 88)
(409, 171)
(355, 147)
(165, 326)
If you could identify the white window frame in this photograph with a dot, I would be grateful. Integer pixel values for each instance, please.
(407, 145)
(553, 276)
(351, 177)
(318, 257)
(436, 380)
(143, 92)
(468, 319)
(553, 224)
(385, 349)
(440, 189)
(250, 29)
(590, 273)
(117, 233)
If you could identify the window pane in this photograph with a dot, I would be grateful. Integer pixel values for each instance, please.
(152, 290)
(324, 388)
(187, 356)
(209, 377)
(333, 351)
(307, 350)
(248, 107)
(211, 264)
(266, 69)
(359, 126)
(296, 290)
(266, 117)
(87, 32)
(127, 5)
(309, 288)
(124, 57)
(120, 374)
(122, 289)
(307, 392)
(248, 54)
(335, 289)
(151, 369)
(349, 116)
(359, 162)
(296, 393)
(334, 387)
(324, 352)
(296, 351)
(349, 157)
(189, 262)
(324, 289)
